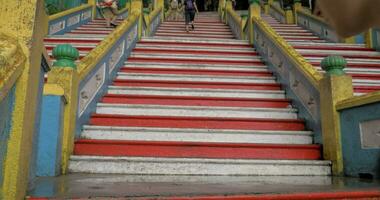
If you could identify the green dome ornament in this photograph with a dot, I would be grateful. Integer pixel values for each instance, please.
(334, 65)
(66, 55)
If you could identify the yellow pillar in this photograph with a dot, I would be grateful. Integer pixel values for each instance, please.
(160, 4)
(254, 11)
(289, 17)
(26, 21)
(334, 87)
(228, 6)
(93, 4)
(368, 39)
(137, 9)
(297, 6)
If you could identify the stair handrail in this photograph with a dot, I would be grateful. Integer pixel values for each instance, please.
(319, 26)
(284, 16)
(234, 20)
(72, 18)
(313, 75)
(152, 21)
(79, 83)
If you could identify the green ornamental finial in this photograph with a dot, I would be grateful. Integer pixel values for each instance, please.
(254, 1)
(334, 65)
(66, 55)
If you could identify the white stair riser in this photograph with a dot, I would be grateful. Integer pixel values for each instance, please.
(165, 167)
(197, 57)
(196, 111)
(197, 92)
(196, 78)
(197, 136)
(197, 66)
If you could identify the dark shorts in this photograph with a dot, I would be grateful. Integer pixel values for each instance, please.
(189, 16)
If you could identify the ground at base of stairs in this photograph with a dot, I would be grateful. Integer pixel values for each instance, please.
(117, 187)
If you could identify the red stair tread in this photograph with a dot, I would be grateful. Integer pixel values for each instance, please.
(193, 84)
(196, 150)
(195, 101)
(334, 48)
(197, 122)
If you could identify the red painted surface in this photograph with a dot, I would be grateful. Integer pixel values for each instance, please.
(196, 31)
(195, 61)
(196, 35)
(195, 43)
(365, 76)
(197, 122)
(366, 89)
(359, 195)
(196, 150)
(216, 73)
(72, 40)
(337, 47)
(355, 65)
(319, 55)
(192, 84)
(193, 51)
(195, 101)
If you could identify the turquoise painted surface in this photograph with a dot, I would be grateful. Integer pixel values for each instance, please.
(56, 6)
(359, 161)
(6, 108)
(50, 136)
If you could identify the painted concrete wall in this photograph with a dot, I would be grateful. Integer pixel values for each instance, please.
(6, 108)
(359, 158)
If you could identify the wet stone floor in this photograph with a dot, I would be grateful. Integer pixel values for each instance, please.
(131, 186)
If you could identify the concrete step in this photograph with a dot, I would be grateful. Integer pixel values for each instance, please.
(186, 166)
(195, 78)
(195, 56)
(195, 31)
(200, 40)
(195, 111)
(200, 49)
(194, 35)
(196, 135)
(195, 101)
(196, 92)
(252, 68)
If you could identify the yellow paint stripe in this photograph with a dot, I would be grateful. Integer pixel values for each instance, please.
(359, 101)
(68, 12)
(300, 62)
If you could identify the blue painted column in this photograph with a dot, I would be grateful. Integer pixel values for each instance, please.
(50, 135)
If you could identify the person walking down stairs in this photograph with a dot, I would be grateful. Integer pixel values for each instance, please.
(109, 11)
(190, 9)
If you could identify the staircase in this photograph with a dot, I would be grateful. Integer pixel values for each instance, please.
(198, 103)
(84, 38)
(362, 63)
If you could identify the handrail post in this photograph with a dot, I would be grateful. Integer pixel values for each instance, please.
(335, 86)
(296, 7)
(93, 4)
(228, 6)
(254, 11)
(64, 73)
(137, 9)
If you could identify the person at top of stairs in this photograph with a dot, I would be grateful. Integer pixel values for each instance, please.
(190, 8)
(353, 17)
(175, 10)
(109, 11)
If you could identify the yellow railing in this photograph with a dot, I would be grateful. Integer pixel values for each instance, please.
(68, 12)
(237, 22)
(12, 63)
(286, 14)
(302, 64)
(149, 19)
(359, 101)
(69, 79)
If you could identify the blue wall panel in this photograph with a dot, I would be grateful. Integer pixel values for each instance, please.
(359, 161)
